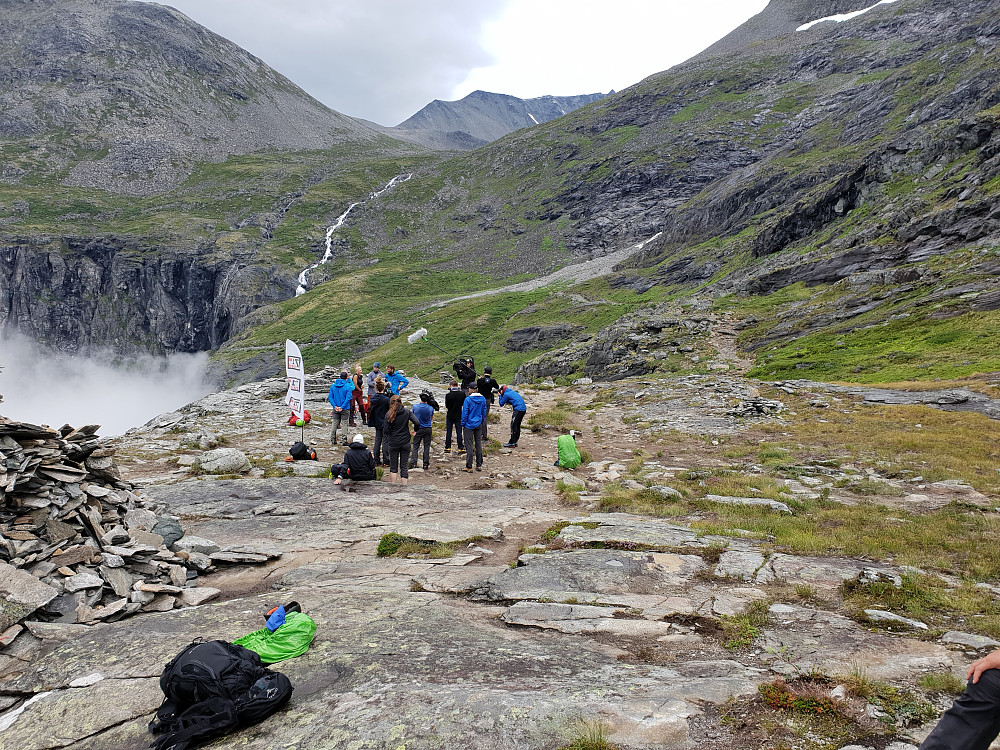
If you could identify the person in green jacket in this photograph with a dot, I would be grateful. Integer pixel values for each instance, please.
(569, 454)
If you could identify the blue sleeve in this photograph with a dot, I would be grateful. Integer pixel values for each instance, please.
(465, 410)
(404, 382)
(504, 398)
(329, 396)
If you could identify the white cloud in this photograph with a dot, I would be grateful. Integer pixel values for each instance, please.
(40, 389)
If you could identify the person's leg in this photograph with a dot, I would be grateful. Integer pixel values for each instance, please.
(448, 424)
(411, 460)
(338, 472)
(973, 721)
(486, 419)
(351, 415)
(470, 441)
(377, 448)
(361, 407)
(478, 436)
(427, 449)
(515, 426)
(403, 470)
(393, 463)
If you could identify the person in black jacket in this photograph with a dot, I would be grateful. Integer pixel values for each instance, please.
(466, 372)
(358, 465)
(487, 386)
(453, 401)
(397, 434)
(378, 405)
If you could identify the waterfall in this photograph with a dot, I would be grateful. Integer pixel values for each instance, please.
(328, 255)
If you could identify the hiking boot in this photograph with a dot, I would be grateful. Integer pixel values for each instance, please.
(467, 468)
(510, 445)
(479, 468)
(427, 467)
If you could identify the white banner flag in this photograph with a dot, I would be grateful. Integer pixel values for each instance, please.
(296, 374)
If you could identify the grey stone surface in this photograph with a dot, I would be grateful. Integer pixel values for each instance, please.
(20, 595)
(878, 615)
(751, 501)
(969, 640)
(224, 461)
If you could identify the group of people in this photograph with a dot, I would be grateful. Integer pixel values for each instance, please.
(467, 408)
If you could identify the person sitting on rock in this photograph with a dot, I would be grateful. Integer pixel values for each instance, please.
(358, 464)
(973, 721)
(569, 454)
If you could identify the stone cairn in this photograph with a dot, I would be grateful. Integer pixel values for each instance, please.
(78, 544)
(756, 407)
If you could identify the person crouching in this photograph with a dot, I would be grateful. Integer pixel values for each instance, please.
(358, 464)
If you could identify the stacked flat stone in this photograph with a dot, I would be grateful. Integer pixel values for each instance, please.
(756, 407)
(77, 543)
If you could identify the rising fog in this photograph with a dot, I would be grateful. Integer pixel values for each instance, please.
(114, 392)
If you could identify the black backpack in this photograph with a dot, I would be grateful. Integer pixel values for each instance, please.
(211, 689)
(301, 452)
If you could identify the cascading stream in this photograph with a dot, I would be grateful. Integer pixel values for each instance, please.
(328, 255)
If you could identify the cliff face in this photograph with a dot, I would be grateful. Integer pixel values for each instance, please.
(75, 294)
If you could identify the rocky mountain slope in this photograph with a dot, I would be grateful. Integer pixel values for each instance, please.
(481, 117)
(127, 96)
(834, 188)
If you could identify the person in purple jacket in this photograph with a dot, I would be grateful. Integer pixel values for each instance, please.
(473, 418)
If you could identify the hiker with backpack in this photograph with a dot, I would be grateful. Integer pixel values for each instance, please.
(340, 399)
(424, 412)
(358, 464)
(378, 405)
(397, 433)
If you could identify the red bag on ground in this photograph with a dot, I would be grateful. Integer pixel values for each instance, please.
(306, 417)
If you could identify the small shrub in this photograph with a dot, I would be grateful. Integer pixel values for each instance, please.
(592, 736)
(942, 682)
(803, 700)
(740, 630)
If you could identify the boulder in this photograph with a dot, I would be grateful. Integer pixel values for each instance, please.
(224, 461)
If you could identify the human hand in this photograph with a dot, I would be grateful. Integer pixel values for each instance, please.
(990, 661)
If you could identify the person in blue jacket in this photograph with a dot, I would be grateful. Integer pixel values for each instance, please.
(397, 381)
(424, 412)
(340, 396)
(473, 417)
(509, 396)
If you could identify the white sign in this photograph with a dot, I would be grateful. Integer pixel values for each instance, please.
(296, 375)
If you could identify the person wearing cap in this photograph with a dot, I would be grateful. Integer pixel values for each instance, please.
(424, 412)
(397, 381)
(340, 399)
(509, 396)
(487, 386)
(473, 416)
(370, 379)
(358, 464)
(466, 372)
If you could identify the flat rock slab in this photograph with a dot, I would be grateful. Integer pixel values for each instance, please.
(809, 638)
(623, 528)
(587, 574)
(325, 517)
(379, 673)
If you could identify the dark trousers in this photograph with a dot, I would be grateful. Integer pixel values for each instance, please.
(381, 448)
(973, 721)
(450, 423)
(339, 471)
(515, 426)
(486, 420)
(422, 434)
(397, 460)
(473, 442)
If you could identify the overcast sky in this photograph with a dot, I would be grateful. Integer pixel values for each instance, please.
(383, 60)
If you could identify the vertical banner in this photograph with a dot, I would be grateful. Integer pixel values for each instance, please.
(296, 375)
